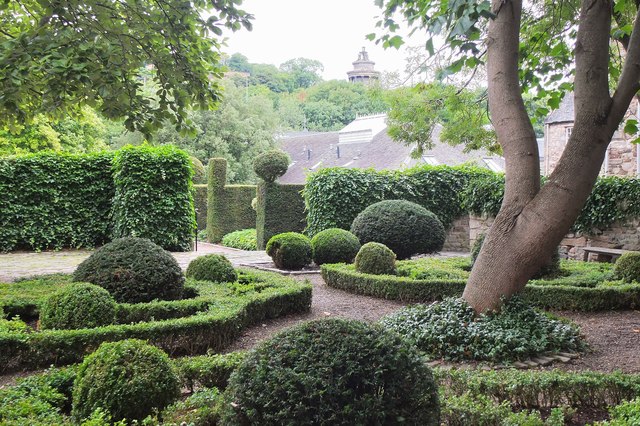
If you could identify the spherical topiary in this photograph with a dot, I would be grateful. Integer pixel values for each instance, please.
(128, 379)
(627, 267)
(333, 372)
(271, 165)
(290, 250)
(199, 173)
(405, 227)
(377, 259)
(212, 267)
(334, 245)
(79, 305)
(133, 270)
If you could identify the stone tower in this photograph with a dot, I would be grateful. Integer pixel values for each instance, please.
(363, 71)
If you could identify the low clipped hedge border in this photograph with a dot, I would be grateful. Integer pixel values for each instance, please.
(344, 277)
(207, 331)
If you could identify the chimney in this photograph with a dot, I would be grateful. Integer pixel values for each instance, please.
(338, 150)
(308, 154)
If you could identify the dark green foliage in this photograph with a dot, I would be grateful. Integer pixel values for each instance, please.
(200, 203)
(51, 201)
(211, 267)
(199, 409)
(154, 196)
(270, 165)
(335, 196)
(290, 250)
(228, 206)
(405, 227)
(78, 306)
(243, 240)
(334, 372)
(451, 330)
(255, 297)
(128, 379)
(375, 259)
(133, 270)
(334, 245)
(627, 267)
(279, 208)
(627, 413)
(208, 370)
(483, 194)
(475, 249)
(199, 173)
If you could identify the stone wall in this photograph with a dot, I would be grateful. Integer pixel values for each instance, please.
(458, 235)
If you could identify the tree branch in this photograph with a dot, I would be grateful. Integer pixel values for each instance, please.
(629, 82)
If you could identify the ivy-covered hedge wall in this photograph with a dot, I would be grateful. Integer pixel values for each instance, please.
(51, 201)
(335, 196)
(228, 206)
(200, 202)
(280, 208)
(154, 196)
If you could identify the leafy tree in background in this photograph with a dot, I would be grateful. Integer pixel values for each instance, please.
(304, 72)
(58, 56)
(541, 47)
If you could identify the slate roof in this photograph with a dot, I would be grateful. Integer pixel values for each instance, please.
(312, 151)
(564, 113)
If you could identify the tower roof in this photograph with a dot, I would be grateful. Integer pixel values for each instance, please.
(363, 69)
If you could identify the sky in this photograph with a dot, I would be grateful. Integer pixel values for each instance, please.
(331, 31)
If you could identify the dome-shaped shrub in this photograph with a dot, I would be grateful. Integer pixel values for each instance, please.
(627, 267)
(212, 267)
(127, 379)
(133, 270)
(333, 372)
(377, 259)
(270, 165)
(79, 305)
(405, 227)
(334, 245)
(290, 250)
(199, 173)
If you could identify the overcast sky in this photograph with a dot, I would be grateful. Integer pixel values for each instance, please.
(331, 31)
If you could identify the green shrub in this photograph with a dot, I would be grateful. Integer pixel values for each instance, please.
(78, 306)
(290, 250)
(128, 379)
(279, 208)
(405, 227)
(212, 267)
(243, 240)
(627, 267)
(627, 413)
(451, 330)
(11, 325)
(270, 165)
(133, 270)
(333, 372)
(334, 245)
(199, 409)
(199, 173)
(208, 370)
(376, 259)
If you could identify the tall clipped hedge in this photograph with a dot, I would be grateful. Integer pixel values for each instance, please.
(154, 196)
(335, 196)
(228, 206)
(200, 202)
(51, 201)
(280, 208)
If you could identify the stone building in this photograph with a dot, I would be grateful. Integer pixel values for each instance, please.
(621, 158)
(363, 69)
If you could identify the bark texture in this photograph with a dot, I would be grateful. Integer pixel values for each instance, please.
(533, 220)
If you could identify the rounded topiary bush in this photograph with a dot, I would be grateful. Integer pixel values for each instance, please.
(270, 165)
(334, 245)
(290, 250)
(332, 372)
(212, 267)
(377, 259)
(129, 379)
(79, 305)
(199, 173)
(405, 227)
(133, 270)
(627, 267)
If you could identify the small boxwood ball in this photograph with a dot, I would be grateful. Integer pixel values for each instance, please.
(290, 250)
(212, 267)
(129, 379)
(627, 267)
(334, 245)
(270, 165)
(79, 305)
(133, 270)
(334, 372)
(376, 259)
(405, 227)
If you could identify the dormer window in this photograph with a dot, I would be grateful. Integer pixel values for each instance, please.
(430, 160)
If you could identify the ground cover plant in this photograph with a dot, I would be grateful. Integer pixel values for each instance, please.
(245, 239)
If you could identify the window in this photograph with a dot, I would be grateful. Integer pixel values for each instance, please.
(567, 133)
(430, 160)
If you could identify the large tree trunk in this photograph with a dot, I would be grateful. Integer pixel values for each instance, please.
(533, 220)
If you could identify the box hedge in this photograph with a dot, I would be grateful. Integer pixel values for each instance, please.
(280, 208)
